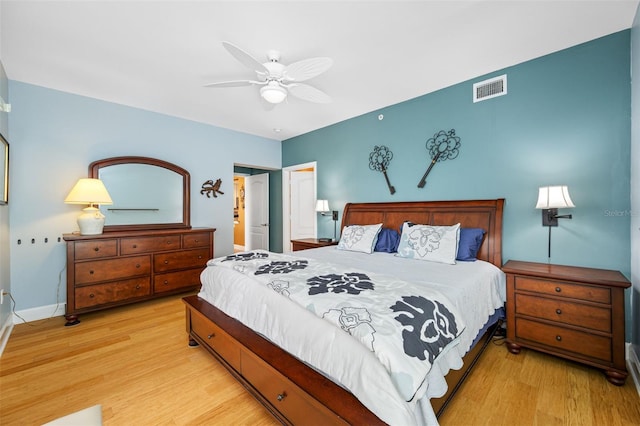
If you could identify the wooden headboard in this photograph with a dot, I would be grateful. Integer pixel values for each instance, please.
(485, 214)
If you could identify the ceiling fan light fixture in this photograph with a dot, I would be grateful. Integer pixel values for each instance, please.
(273, 93)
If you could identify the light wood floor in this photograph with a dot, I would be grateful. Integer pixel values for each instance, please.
(136, 363)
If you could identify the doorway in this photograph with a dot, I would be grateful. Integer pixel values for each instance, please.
(250, 209)
(298, 203)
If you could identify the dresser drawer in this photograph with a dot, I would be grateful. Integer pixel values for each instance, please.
(101, 294)
(552, 309)
(564, 289)
(95, 249)
(294, 403)
(175, 280)
(216, 339)
(195, 240)
(149, 244)
(579, 342)
(180, 260)
(112, 269)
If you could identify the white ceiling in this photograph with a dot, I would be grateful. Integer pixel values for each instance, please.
(157, 55)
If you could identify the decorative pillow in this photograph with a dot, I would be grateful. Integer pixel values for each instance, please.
(359, 238)
(469, 244)
(388, 240)
(426, 242)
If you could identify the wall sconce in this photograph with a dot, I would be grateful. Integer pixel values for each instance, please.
(322, 207)
(89, 191)
(550, 199)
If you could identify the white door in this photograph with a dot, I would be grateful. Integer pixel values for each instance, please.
(257, 212)
(303, 209)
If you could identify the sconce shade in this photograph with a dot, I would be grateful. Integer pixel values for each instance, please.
(322, 206)
(554, 197)
(273, 92)
(89, 191)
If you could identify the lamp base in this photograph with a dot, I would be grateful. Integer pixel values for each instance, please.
(91, 221)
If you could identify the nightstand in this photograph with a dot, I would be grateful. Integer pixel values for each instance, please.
(309, 243)
(571, 312)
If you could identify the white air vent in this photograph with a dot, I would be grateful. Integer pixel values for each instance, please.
(490, 88)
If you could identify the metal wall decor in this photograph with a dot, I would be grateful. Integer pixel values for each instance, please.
(209, 188)
(442, 146)
(379, 161)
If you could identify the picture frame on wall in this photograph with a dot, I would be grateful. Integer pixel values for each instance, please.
(4, 170)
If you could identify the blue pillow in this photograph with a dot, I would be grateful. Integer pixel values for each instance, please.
(469, 244)
(388, 240)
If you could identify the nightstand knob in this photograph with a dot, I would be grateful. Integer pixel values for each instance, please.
(558, 289)
(559, 311)
(559, 338)
(211, 335)
(281, 396)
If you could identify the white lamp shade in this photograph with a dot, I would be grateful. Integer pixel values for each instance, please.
(554, 197)
(88, 191)
(273, 92)
(322, 206)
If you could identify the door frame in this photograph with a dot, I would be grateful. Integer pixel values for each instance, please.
(286, 203)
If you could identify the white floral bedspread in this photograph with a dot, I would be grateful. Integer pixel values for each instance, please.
(405, 325)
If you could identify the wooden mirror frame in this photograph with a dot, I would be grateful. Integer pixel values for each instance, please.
(94, 172)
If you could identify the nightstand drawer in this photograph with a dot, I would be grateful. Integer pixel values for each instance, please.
(552, 309)
(563, 289)
(584, 344)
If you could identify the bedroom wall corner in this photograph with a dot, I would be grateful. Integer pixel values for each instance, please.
(634, 350)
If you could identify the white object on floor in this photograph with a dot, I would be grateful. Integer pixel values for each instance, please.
(91, 416)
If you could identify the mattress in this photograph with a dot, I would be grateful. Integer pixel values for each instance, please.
(476, 289)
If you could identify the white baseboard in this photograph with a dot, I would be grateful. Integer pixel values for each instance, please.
(5, 333)
(633, 361)
(41, 312)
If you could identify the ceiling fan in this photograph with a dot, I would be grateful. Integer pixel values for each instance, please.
(278, 80)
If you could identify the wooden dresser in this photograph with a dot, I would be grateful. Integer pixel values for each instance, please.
(309, 243)
(571, 312)
(117, 268)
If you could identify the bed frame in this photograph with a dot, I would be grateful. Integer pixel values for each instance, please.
(295, 393)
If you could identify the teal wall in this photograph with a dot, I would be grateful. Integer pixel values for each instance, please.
(565, 120)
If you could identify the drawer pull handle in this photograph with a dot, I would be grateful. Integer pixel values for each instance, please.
(138, 287)
(559, 311)
(135, 246)
(210, 336)
(199, 257)
(166, 282)
(281, 396)
(558, 289)
(559, 338)
(92, 295)
(168, 242)
(137, 265)
(97, 249)
(166, 262)
(91, 272)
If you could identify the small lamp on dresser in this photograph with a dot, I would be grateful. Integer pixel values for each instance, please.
(89, 191)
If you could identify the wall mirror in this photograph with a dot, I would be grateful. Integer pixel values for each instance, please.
(147, 193)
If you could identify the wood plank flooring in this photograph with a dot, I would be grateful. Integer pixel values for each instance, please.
(136, 363)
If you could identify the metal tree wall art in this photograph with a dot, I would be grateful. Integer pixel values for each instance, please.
(442, 146)
(379, 161)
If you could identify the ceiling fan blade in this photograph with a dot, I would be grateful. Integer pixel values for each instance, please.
(307, 68)
(245, 59)
(308, 93)
(233, 83)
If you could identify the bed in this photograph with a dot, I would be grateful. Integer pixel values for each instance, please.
(307, 385)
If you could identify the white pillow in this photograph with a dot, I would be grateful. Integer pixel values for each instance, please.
(360, 238)
(426, 242)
